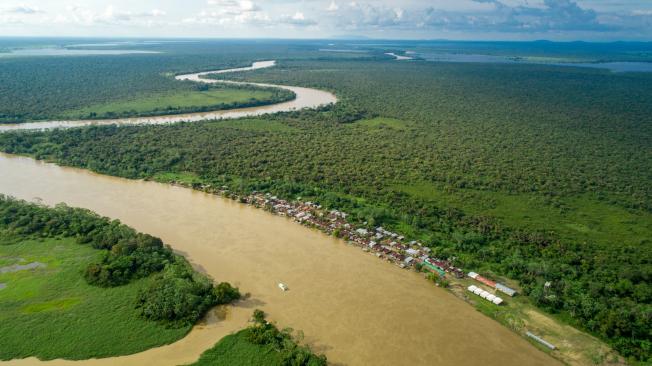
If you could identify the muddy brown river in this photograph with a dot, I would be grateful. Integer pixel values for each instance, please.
(356, 309)
(353, 307)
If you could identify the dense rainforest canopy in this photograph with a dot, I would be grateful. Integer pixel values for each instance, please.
(37, 88)
(533, 172)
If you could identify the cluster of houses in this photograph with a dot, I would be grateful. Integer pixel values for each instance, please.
(498, 286)
(383, 243)
(485, 294)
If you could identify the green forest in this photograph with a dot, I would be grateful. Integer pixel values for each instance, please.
(39, 88)
(114, 89)
(262, 343)
(135, 287)
(531, 172)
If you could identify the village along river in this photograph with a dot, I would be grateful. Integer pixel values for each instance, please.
(356, 309)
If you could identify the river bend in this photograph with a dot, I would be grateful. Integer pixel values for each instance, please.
(305, 98)
(356, 309)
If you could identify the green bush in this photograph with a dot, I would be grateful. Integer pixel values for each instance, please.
(291, 353)
(180, 296)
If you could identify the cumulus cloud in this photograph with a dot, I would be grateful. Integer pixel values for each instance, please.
(21, 9)
(234, 6)
(548, 16)
(556, 15)
(109, 16)
(396, 18)
(224, 12)
(152, 13)
(298, 19)
(365, 15)
(245, 12)
(639, 12)
(21, 14)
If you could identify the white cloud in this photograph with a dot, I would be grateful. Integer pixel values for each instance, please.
(233, 6)
(21, 14)
(109, 16)
(639, 12)
(516, 19)
(365, 15)
(298, 19)
(241, 13)
(21, 9)
(154, 13)
(225, 12)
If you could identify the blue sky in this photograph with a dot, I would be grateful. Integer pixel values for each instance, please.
(595, 20)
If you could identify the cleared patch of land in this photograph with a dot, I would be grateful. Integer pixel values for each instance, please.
(182, 100)
(574, 347)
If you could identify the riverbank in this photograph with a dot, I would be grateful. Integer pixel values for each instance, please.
(261, 343)
(304, 98)
(379, 312)
(391, 251)
(516, 313)
(171, 103)
(78, 286)
(399, 57)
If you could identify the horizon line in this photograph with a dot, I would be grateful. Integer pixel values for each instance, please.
(332, 38)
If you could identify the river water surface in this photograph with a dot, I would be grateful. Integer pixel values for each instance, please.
(356, 309)
(619, 66)
(305, 98)
(353, 307)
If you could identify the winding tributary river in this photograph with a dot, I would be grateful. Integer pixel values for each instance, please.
(305, 98)
(356, 309)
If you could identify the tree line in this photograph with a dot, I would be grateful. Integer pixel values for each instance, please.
(539, 133)
(178, 296)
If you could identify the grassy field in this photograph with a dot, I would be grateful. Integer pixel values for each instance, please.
(51, 312)
(182, 99)
(574, 347)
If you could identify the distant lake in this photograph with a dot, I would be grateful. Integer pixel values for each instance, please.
(51, 51)
(341, 50)
(612, 66)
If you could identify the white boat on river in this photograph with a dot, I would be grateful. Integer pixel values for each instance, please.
(357, 309)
